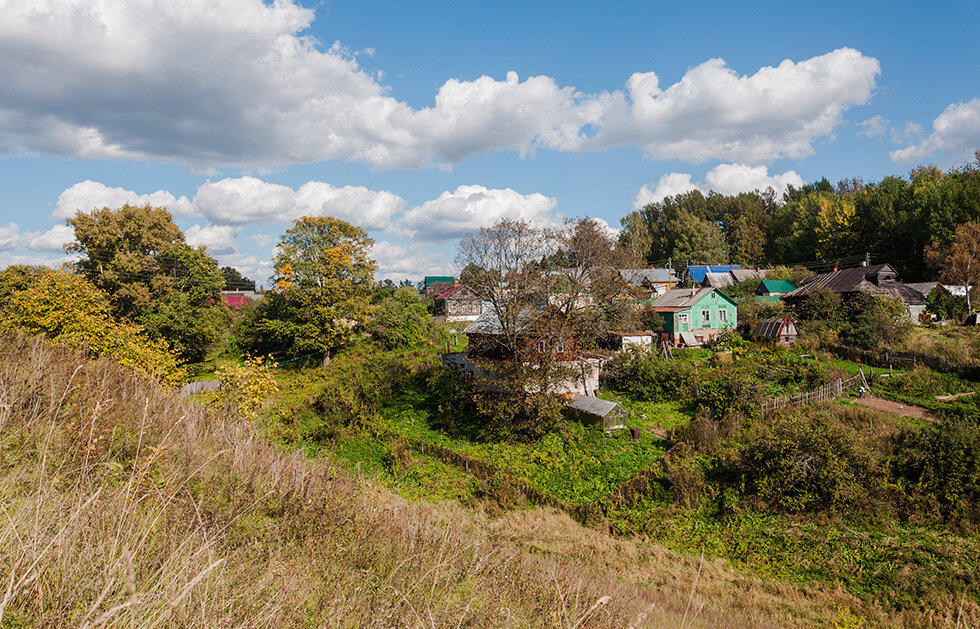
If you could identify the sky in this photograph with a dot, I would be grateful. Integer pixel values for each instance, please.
(423, 121)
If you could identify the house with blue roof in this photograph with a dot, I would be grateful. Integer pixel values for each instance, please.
(697, 273)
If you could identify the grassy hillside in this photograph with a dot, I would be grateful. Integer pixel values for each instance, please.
(124, 506)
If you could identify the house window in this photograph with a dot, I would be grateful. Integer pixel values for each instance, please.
(452, 307)
(682, 318)
(560, 348)
(723, 315)
(542, 346)
(706, 315)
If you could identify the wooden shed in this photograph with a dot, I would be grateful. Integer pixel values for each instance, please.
(782, 331)
(594, 411)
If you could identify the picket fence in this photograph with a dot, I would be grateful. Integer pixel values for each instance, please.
(827, 392)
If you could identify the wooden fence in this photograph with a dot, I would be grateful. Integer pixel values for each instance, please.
(826, 392)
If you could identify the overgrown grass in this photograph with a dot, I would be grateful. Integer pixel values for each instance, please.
(123, 506)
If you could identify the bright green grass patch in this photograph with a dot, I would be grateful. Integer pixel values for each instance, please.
(411, 475)
(578, 465)
(664, 414)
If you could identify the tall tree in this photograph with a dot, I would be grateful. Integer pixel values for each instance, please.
(138, 257)
(234, 280)
(323, 284)
(959, 263)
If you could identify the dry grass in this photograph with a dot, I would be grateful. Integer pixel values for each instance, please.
(122, 506)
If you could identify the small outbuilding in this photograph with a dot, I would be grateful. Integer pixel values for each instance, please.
(622, 340)
(593, 411)
(782, 331)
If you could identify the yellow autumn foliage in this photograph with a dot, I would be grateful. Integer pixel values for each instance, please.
(245, 387)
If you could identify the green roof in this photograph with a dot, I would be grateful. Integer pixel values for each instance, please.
(438, 279)
(777, 286)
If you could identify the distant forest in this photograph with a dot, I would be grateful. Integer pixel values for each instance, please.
(818, 225)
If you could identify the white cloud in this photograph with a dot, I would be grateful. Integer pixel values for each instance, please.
(10, 236)
(137, 79)
(669, 185)
(955, 134)
(712, 112)
(736, 178)
(88, 195)
(217, 238)
(469, 208)
(873, 127)
(52, 240)
(723, 178)
(251, 200)
(397, 261)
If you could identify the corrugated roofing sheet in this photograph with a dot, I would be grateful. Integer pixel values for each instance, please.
(777, 286)
(718, 280)
(594, 405)
(680, 297)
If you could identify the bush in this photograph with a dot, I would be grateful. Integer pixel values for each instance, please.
(940, 466)
(806, 462)
(245, 388)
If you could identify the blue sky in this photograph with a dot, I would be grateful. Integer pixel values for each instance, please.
(420, 121)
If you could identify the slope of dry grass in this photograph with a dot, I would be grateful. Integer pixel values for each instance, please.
(121, 505)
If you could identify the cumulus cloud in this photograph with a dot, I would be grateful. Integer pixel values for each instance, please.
(217, 238)
(669, 185)
(723, 178)
(88, 195)
(400, 261)
(252, 200)
(712, 112)
(136, 79)
(469, 208)
(955, 134)
(10, 236)
(53, 239)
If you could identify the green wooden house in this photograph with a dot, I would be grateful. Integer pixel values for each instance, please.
(694, 316)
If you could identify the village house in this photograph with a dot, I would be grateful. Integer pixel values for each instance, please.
(539, 336)
(698, 273)
(694, 316)
(459, 303)
(238, 299)
(656, 282)
(775, 288)
(432, 285)
(879, 279)
(623, 340)
(782, 331)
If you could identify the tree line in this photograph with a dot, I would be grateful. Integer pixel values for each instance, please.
(896, 220)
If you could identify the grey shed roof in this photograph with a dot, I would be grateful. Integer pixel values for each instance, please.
(595, 406)
(636, 277)
(718, 280)
(680, 297)
(923, 287)
(741, 275)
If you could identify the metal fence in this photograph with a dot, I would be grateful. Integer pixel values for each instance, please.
(827, 392)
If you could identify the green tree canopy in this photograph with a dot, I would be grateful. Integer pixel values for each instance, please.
(138, 257)
(323, 285)
(234, 280)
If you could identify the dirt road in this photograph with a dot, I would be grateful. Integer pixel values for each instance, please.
(902, 410)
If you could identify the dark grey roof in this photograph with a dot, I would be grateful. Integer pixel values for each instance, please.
(718, 280)
(923, 287)
(877, 279)
(637, 277)
(680, 297)
(595, 406)
(741, 275)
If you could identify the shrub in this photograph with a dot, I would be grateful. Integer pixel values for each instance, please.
(245, 387)
(940, 465)
(806, 462)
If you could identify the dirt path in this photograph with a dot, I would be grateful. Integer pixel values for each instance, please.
(954, 396)
(902, 410)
